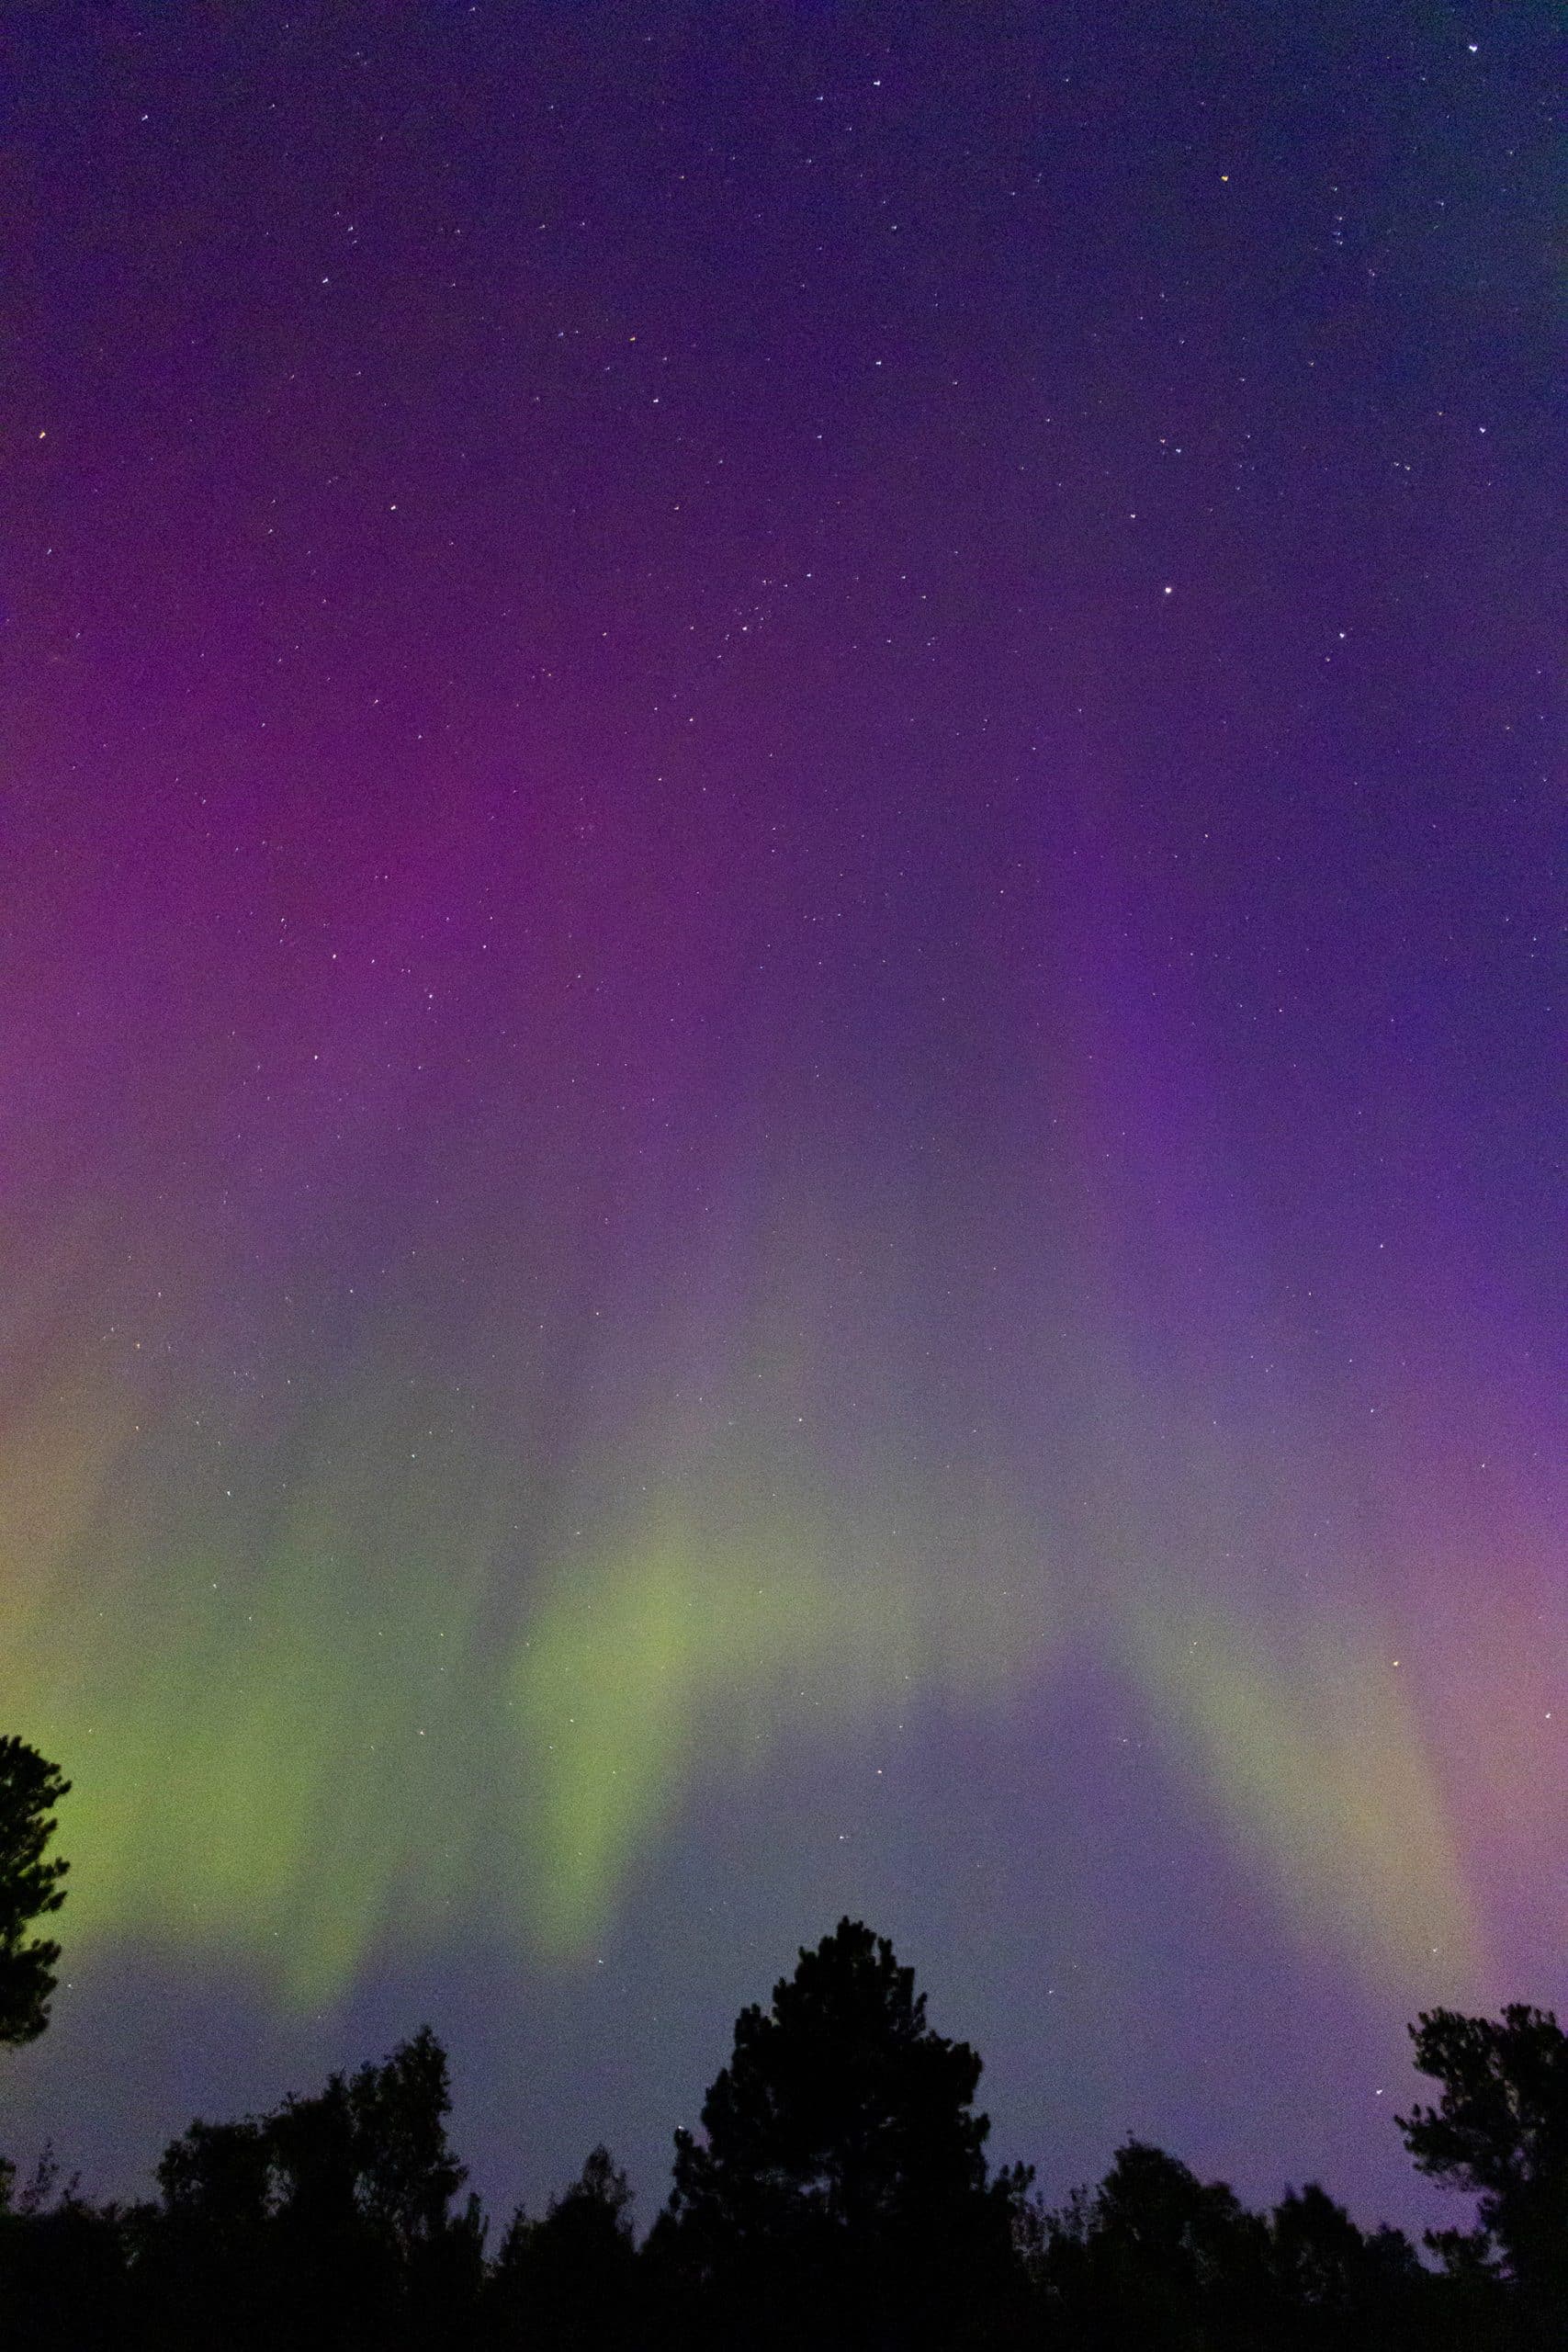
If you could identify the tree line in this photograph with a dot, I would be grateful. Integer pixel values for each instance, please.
(838, 2197)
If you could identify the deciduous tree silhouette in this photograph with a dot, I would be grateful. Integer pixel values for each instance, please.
(203, 2256)
(840, 2193)
(62, 2267)
(29, 1888)
(1156, 2258)
(571, 2282)
(327, 2222)
(1339, 2286)
(1500, 2131)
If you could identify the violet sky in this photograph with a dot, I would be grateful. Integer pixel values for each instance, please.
(780, 1006)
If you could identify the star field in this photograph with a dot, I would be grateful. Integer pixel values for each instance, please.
(782, 1028)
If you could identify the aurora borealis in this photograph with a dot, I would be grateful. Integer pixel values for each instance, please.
(782, 1130)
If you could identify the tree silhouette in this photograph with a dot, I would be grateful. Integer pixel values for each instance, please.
(29, 1888)
(204, 2255)
(1339, 2285)
(840, 2191)
(1158, 2258)
(328, 2220)
(569, 2282)
(837, 2200)
(1500, 2132)
(62, 2266)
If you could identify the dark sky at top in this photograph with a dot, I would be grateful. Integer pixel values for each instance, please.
(780, 1008)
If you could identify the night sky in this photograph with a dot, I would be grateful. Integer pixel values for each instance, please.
(782, 860)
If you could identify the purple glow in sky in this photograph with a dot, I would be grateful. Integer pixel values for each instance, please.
(781, 990)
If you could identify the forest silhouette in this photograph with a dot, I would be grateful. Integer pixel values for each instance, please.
(837, 2196)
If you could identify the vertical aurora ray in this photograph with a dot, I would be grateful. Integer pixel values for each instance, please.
(600, 1496)
(778, 1082)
